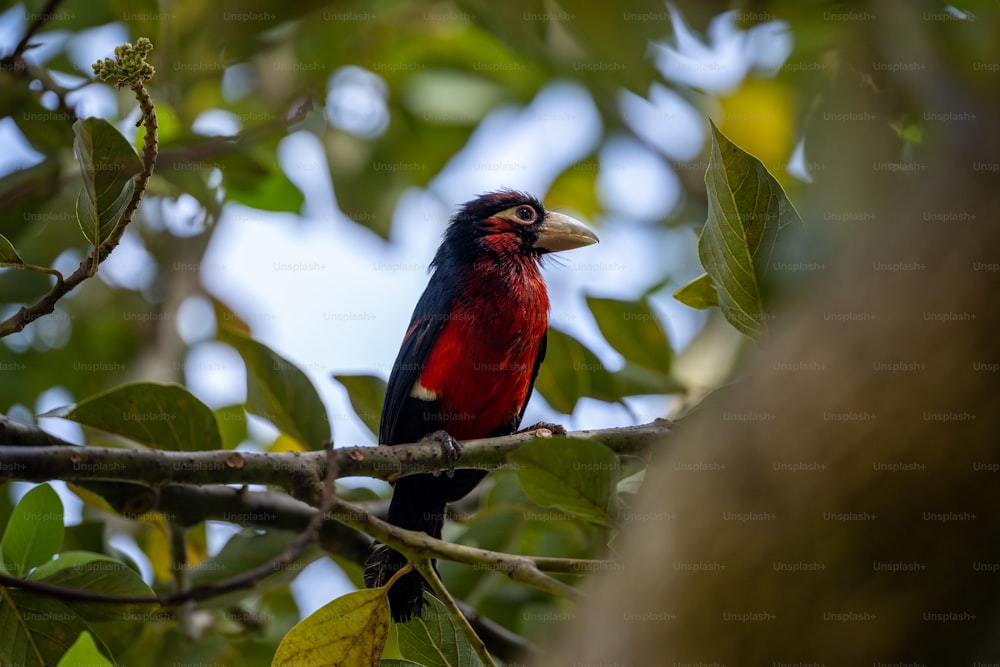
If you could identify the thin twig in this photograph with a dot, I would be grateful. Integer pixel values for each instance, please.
(417, 546)
(179, 155)
(182, 578)
(41, 18)
(425, 568)
(574, 565)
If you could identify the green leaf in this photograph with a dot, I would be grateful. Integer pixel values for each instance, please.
(253, 177)
(497, 529)
(100, 574)
(398, 663)
(34, 532)
(570, 372)
(350, 631)
(576, 476)
(164, 416)
(66, 559)
(35, 630)
(433, 639)
(699, 293)
(280, 392)
(636, 380)
(232, 421)
(366, 393)
(84, 651)
(99, 219)
(108, 163)
(8, 255)
(746, 211)
(633, 328)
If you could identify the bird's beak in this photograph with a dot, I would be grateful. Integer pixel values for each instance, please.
(561, 232)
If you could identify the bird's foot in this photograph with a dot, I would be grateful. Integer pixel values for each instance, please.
(554, 429)
(451, 449)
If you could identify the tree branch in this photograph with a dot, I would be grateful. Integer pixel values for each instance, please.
(41, 18)
(245, 580)
(417, 546)
(190, 505)
(29, 454)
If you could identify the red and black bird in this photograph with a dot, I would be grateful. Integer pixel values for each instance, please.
(469, 359)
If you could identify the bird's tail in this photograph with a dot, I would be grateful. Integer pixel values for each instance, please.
(414, 506)
(406, 597)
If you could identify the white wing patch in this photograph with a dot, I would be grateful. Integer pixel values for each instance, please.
(422, 393)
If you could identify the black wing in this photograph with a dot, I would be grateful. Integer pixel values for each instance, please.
(534, 375)
(403, 415)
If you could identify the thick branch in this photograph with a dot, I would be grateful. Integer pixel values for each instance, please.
(190, 505)
(324, 491)
(416, 546)
(29, 454)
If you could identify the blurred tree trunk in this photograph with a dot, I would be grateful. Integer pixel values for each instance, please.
(839, 506)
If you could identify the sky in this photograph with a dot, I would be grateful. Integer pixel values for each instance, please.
(332, 297)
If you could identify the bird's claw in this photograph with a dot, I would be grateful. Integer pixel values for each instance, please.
(451, 449)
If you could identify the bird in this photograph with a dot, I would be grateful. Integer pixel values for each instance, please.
(468, 361)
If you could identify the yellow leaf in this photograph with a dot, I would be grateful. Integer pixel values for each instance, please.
(154, 540)
(349, 631)
(90, 498)
(285, 443)
(759, 118)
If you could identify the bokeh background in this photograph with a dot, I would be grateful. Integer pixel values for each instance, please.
(311, 154)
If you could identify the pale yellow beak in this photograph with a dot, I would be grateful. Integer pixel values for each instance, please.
(560, 232)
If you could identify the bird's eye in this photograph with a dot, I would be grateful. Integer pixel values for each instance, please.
(525, 213)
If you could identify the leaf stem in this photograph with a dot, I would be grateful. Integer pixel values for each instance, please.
(431, 576)
(129, 68)
(38, 269)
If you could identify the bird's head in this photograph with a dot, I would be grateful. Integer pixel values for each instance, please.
(509, 225)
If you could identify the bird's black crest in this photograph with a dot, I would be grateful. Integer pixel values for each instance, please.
(463, 230)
